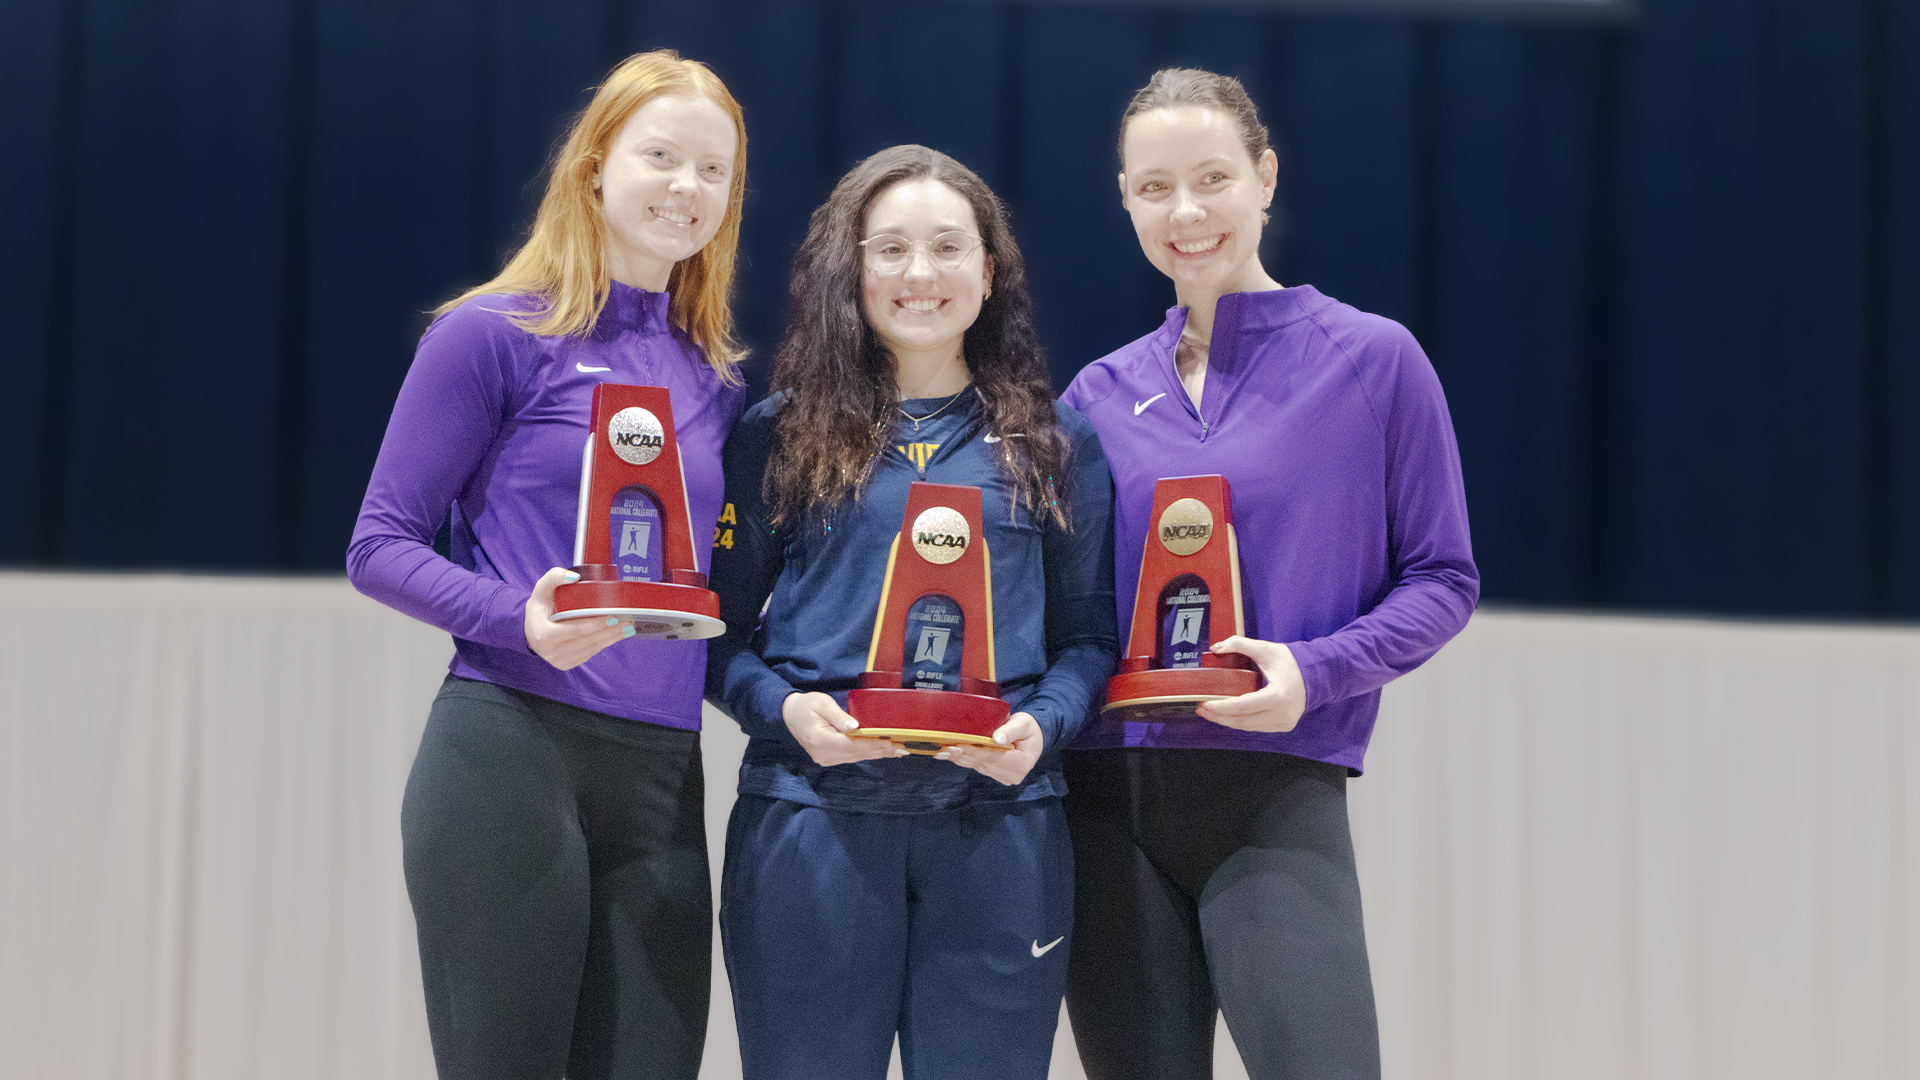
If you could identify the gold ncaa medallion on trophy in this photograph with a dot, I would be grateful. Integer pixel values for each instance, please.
(633, 543)
(930, 680)
(1187, 598)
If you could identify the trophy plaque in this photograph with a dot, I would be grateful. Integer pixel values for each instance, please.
(930, 678)
(1188, 596)
(633, 543)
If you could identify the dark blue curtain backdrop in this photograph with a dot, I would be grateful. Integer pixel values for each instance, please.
(1667, 271)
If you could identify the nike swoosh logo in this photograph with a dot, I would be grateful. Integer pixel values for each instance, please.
(584, 369)
(989, 438)
(1040, 950)
(1141, 406)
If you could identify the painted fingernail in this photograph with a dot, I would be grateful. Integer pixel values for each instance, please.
(626, 631)
(611, 621)
(571, 576)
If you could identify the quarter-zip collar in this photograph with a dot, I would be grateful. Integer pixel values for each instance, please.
(1240, 323)
(632, 310)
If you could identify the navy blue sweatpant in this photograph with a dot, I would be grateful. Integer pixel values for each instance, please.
(950, 928)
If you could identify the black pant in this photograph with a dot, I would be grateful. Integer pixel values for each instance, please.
(557, 863)
(1216, 879)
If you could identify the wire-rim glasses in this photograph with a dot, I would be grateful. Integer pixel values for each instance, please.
(891, 254)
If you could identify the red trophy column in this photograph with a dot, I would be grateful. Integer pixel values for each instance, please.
(1188, 598)
(930, 678)
(633, 545)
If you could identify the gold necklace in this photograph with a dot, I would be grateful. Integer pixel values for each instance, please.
(928, 416)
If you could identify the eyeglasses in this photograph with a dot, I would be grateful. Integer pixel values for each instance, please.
(890, 254)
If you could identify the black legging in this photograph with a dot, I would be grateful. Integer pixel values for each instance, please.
(557, 863)
(1209, 879)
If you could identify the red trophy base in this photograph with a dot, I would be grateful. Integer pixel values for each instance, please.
(925, 721)
(680, 610)
(1139, 694)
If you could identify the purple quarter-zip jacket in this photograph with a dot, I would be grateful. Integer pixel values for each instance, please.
(489, 425)
(1331, 429)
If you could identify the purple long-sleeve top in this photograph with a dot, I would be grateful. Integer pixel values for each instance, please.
(1333, 434)
(487, 436)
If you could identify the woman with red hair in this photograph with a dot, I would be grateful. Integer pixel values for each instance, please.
(553, 823)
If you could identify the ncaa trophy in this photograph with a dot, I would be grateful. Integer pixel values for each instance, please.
(1189, 588)
(633, 543)
(930, 678)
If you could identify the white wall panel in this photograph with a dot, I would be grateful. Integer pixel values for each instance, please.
(1630, 849)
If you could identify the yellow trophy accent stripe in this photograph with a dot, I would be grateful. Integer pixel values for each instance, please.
(1233, 571)
(886, 586)
(986, 568)
(944, 738)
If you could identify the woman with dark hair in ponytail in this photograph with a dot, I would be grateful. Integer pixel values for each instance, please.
(868, 892)
(1214, 864)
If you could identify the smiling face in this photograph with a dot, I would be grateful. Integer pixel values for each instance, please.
(1196, 199)
(663, 187)
(922, 313)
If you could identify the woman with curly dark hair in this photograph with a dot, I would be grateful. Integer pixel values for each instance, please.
(869, 892)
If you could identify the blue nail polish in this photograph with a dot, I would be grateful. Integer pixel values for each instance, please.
(627, 631)
(572, 577)
(611, 621)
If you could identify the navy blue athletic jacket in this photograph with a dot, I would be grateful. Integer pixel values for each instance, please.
(820, 581)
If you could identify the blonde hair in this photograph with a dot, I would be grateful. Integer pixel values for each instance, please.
(565, 259)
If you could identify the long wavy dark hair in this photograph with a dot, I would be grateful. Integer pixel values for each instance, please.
(838, 377)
